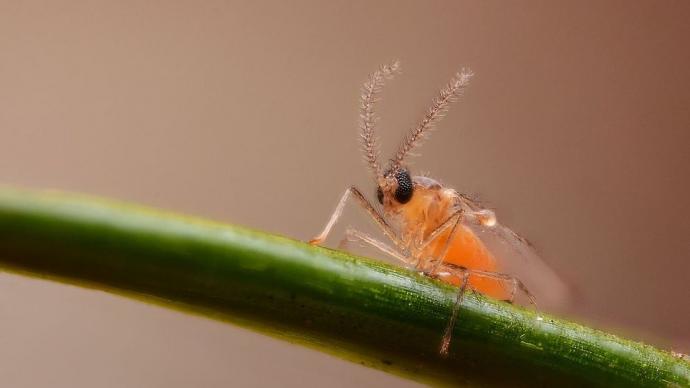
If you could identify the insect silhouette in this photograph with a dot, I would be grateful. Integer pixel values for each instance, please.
(434, 229)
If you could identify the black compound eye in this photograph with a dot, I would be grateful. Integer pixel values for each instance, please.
(403, 193)
(379, 195)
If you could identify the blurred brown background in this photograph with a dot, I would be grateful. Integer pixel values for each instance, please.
(575, 129)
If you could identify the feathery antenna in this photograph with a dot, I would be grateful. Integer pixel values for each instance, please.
(440, 104)
(367, 117)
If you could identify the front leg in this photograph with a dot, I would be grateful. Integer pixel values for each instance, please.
(373, 213)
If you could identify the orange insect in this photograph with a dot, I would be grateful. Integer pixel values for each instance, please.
(437, 230)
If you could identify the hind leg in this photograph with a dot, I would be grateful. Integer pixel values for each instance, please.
(448, 332)
(451, 270)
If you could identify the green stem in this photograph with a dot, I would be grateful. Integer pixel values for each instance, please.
(363, 310)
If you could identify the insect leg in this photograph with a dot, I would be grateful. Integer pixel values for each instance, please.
(517, 283)
(364, 203)
(354, 235)
(453, 221)
(464, 274)
(448, 333)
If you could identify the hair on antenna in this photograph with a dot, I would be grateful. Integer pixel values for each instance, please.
(367, 117)
(439, 106)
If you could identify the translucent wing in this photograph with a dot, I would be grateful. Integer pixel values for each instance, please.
(516, 256)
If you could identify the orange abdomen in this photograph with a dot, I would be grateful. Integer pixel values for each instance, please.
(467, 250)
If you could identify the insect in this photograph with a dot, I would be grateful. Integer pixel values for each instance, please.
(436, 230)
